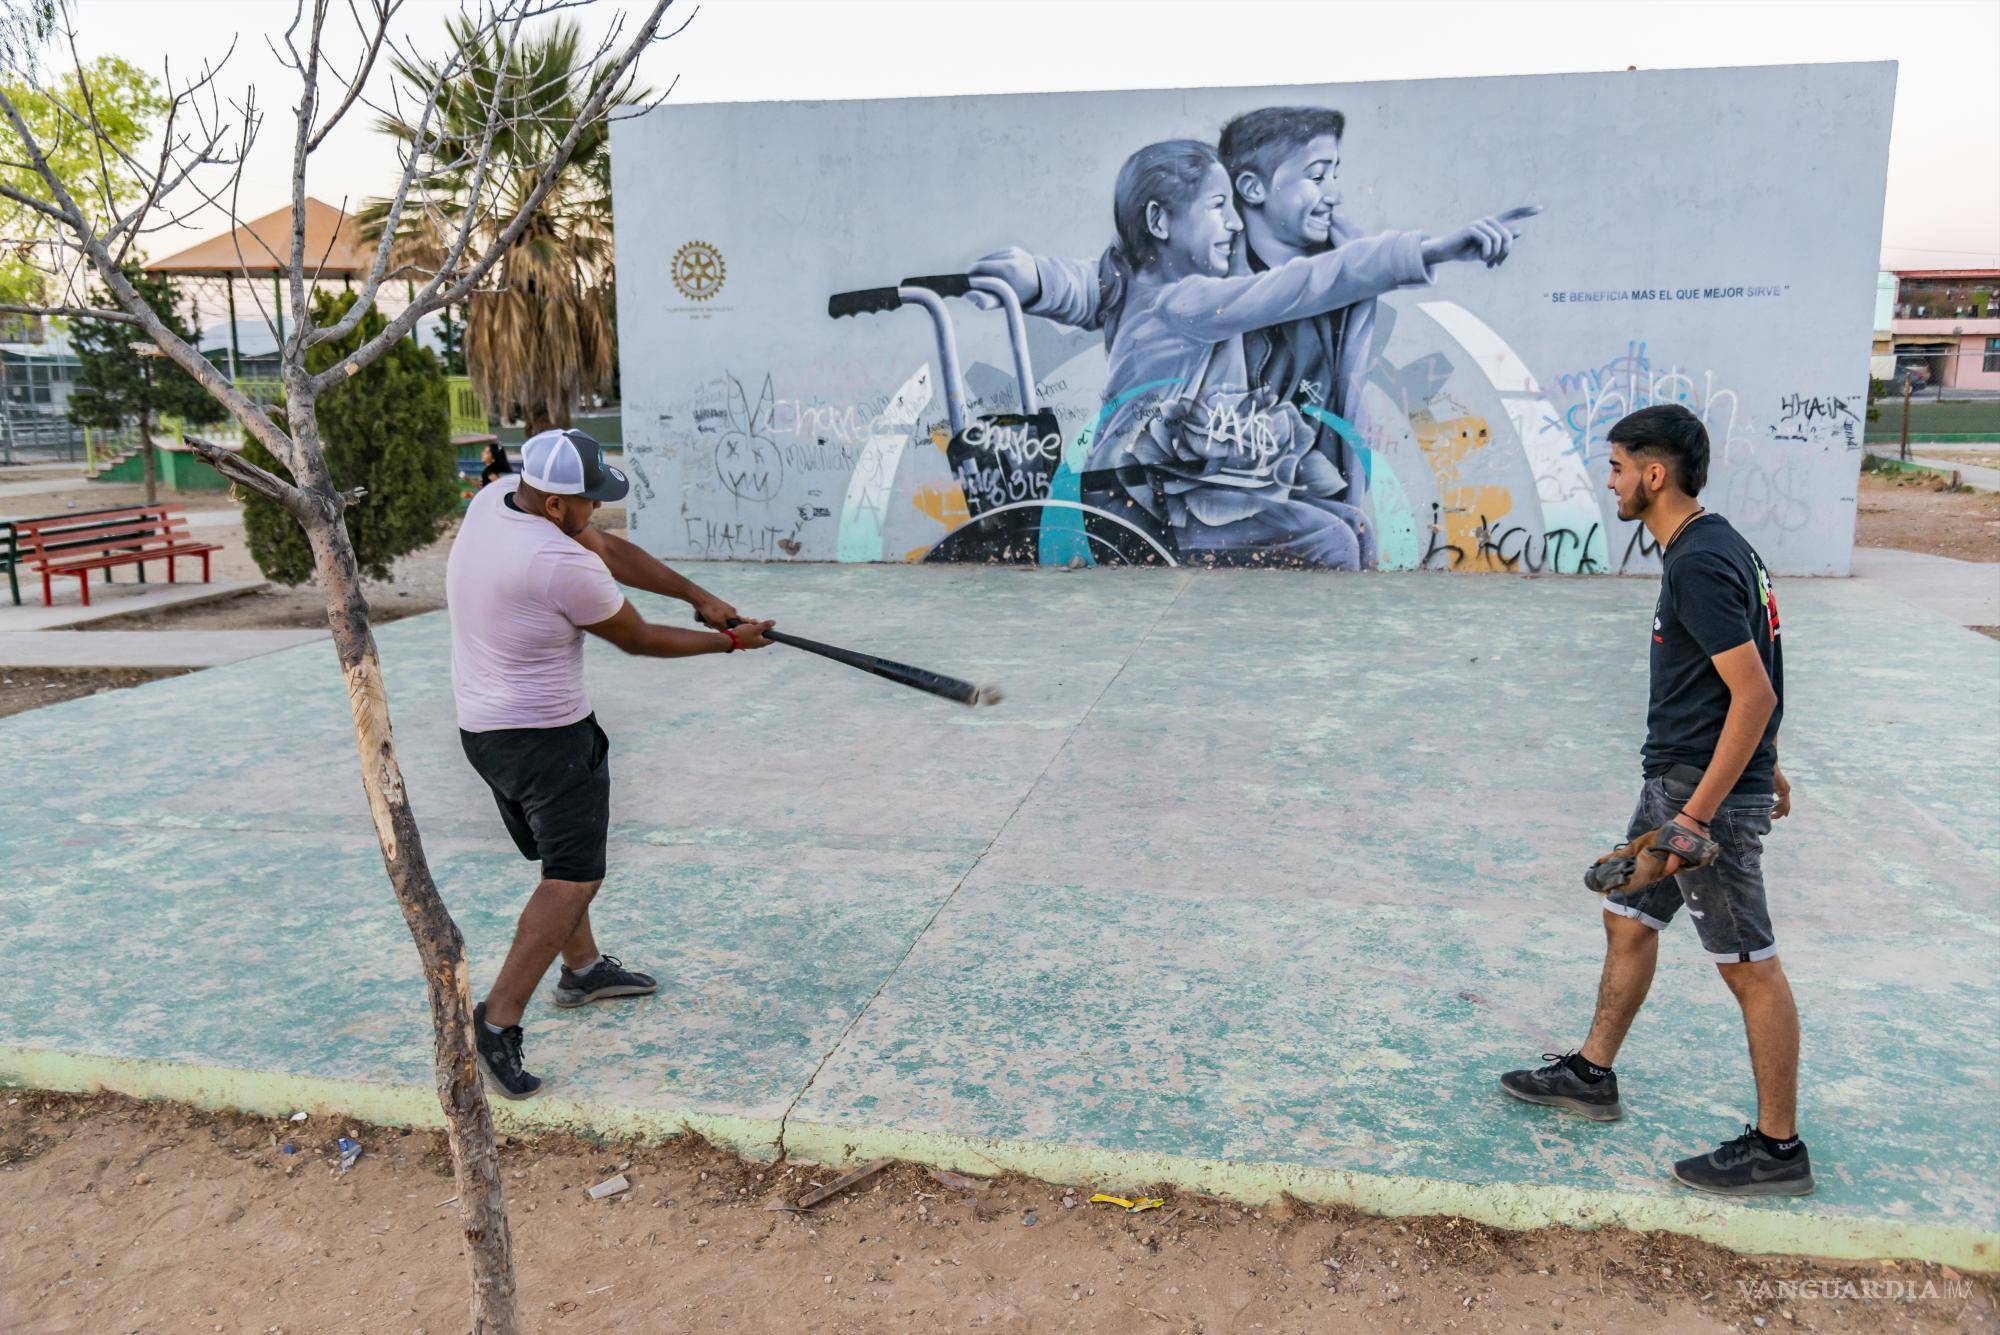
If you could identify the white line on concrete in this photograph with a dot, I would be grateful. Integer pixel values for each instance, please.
(1977, 477)
(144, 648)
(109, 600)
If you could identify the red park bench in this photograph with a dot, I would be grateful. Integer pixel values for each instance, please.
(80, 543)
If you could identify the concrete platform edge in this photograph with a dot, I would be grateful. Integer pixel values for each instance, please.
(1758, 1229)
(269, 1094)
(1520, 1206)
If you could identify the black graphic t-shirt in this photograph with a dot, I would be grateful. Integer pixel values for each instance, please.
(1715, 594)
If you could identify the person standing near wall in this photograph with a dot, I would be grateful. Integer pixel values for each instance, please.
(495, 464)
(1711, 765)
(526, 577)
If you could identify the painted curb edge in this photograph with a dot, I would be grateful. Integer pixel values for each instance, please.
(1512, 1205)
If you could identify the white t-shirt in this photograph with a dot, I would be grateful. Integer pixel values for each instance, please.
(518, 588)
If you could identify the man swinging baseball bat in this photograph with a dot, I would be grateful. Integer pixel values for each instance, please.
(1712, 789)
(526, 577)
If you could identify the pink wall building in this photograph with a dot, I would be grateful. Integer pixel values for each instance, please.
(1946, 326)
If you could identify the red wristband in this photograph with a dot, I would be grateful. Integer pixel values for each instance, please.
(733, 645)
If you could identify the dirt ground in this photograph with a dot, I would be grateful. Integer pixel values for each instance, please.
(1915, 513)
(84, 494)
(416, 584)
(22, 689)
(129, 1216)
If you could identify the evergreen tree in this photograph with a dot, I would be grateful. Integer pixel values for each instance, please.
(387, 429)
(116, 384)
(451, 335)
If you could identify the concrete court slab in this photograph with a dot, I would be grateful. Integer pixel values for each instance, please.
(1966, 591)
(767, 966)
(1254, 883)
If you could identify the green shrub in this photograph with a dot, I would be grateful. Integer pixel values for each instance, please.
(387, 429)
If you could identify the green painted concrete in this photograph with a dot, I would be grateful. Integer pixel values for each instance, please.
(1932, 418)
(1254, 884)
(177, 470)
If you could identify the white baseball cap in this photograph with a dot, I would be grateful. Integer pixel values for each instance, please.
(567, 462)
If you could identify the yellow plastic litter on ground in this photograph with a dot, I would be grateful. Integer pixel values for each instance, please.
(1131, 1207)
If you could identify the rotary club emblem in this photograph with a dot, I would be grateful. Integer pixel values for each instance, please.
(698, 270)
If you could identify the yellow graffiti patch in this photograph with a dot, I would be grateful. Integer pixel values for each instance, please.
(944, 504)
(1447, 444)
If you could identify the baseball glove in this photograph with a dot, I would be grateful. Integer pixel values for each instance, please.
(1638, 864)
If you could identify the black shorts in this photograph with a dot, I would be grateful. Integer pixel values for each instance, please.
(553, 787)
(1726, 898)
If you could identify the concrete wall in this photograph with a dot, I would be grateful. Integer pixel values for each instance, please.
(1706, 237)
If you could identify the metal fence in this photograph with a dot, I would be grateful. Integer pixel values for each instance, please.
(42, 438)
(1941, 375)
(29, 436)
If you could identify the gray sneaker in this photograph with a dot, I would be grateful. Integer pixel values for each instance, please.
(1743, 1167)
(1557, 1086)
(607, 978)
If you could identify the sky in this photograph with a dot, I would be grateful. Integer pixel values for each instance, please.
(1942, 210)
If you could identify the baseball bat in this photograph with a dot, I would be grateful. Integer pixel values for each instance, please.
(934, 683)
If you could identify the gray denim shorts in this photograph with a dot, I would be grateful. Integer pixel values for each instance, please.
(1725, 898)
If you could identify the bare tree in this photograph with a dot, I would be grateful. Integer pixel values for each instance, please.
(199, 164)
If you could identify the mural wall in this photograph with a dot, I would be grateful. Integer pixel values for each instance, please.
(1365, 326)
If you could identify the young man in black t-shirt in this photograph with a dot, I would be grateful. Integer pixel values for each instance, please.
(1711, 764)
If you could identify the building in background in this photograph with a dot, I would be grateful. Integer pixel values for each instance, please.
(1946, 328)
(1882, 357)
(37, 371)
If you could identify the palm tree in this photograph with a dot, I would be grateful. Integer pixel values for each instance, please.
(544, 337)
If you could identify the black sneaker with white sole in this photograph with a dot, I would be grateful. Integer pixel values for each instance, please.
(1557, 1085)
(1744, 1167)
(500, 1055)
(607, 978)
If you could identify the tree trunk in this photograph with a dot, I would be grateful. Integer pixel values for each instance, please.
(147, 461)
(468, 1122)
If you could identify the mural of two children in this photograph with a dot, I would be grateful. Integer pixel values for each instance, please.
(1237, 305)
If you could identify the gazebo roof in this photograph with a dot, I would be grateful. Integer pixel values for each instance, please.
(333, 245)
